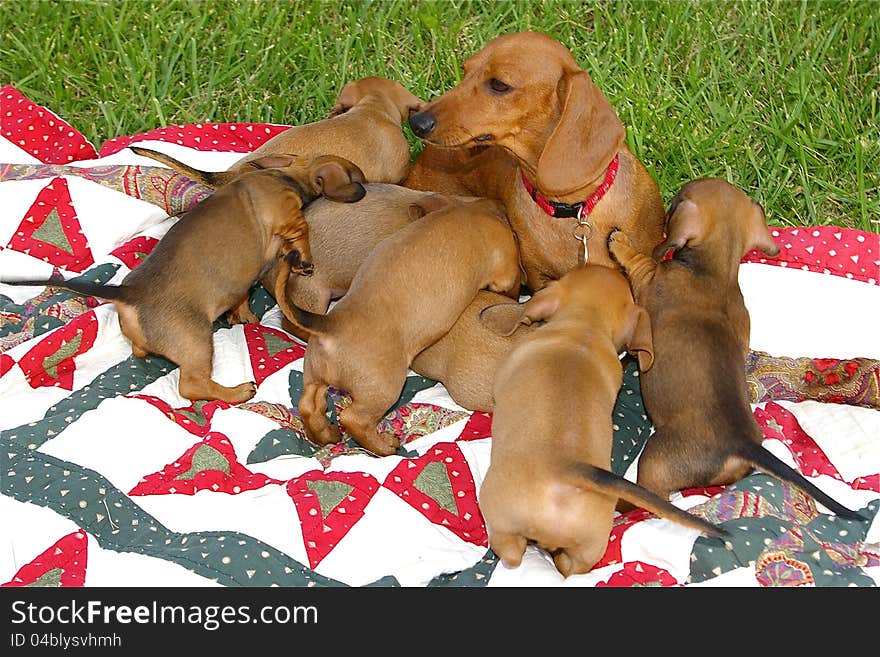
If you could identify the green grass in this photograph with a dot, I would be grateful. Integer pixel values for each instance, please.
(779, 97)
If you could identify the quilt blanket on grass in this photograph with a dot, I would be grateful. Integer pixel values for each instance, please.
(109, 478)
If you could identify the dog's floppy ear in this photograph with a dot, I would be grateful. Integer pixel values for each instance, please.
(585, 140)
(337, 179)
(640, 342)
(683, 226)
(349, 96)
(277, 161)
(505, 318)
(428, 204)
(760, 237)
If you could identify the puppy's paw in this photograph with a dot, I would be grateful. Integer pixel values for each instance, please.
(382, 444)
(243, 392)
(298, 265)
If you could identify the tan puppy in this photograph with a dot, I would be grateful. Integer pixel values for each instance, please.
(341, 238)
(405, 296)
(466, 358)
(547, 127)
(549, 478)
(696, 395)
(207, 262)
(364, 127)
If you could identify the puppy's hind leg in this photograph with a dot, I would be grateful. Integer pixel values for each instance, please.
(193, 351)
(361, 422)
(312, 410)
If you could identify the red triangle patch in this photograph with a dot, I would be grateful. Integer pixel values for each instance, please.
(195, 418)
(63, 564)
(329, 504)
(51, 361)
(208, 465)
(6, 363)
(40, 132)
(270, 350)
(133, 252)
(779, 423)
(440, 486)
(51, 231)
(478, 426)
(638, 573)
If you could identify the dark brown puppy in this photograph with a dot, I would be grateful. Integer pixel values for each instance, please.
(544, 124)
(364, 127)
(696, 394)
(549, 479)
(405, 296)
(207, 262)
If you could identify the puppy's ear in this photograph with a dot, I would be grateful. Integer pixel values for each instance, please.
(761, 238)
(641, 341)
(349, 96)
(337, 179)
(428, 204)
(278, 161)
(502, 318)
(585, 140)
(685, 225)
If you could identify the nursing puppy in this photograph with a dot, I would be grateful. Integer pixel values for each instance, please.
(364, 127)
(466, 358)
(549, 479)
(405, 296)
(696, 394)
(341, 238)
(208, 260)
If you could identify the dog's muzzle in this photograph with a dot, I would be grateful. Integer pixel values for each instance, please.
(423, 124)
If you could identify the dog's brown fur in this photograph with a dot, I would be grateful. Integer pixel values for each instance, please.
(341, 237)
(405, 296)
(364, 127)
(555, 125)
(208, 260)
(696, 395)
(466, 358)
(549, 478)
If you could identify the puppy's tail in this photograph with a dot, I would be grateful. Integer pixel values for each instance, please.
(607, 483)
(306, 321)
(210, 178)
(762, 458)
(86, 288)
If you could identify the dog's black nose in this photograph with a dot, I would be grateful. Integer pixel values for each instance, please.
(423, 124)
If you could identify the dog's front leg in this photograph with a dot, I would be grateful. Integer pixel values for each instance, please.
(638, 267)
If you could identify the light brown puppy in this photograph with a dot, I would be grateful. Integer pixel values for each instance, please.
(341, 237)
(405, 296)
(208, 260)
(548, 126)
(466, 358)
(549, 479)
(364, 127)
(696, 395)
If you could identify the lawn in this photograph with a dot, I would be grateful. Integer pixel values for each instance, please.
(779, 97)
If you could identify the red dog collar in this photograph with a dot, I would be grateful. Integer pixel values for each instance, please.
(585, 207)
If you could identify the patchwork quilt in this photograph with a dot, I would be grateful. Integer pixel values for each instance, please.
(109, 478)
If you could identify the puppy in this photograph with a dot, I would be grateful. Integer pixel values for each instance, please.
(405, 296)
(341, 237)
(549, 478)
(526, 125)
(364, 127)
(208, 260)
(696, 395)
(466, 358)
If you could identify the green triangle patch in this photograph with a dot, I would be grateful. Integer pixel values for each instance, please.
(330, 493)
(205, 458)
(434, 482)
(51, 232)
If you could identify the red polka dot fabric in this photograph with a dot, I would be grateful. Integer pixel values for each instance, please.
(847, 252)
(225, 137)
(40, 132)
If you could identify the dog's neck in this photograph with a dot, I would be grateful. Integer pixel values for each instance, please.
(699, 261)
(577, 204)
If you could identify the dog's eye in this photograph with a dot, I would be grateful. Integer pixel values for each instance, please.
(498, 86)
